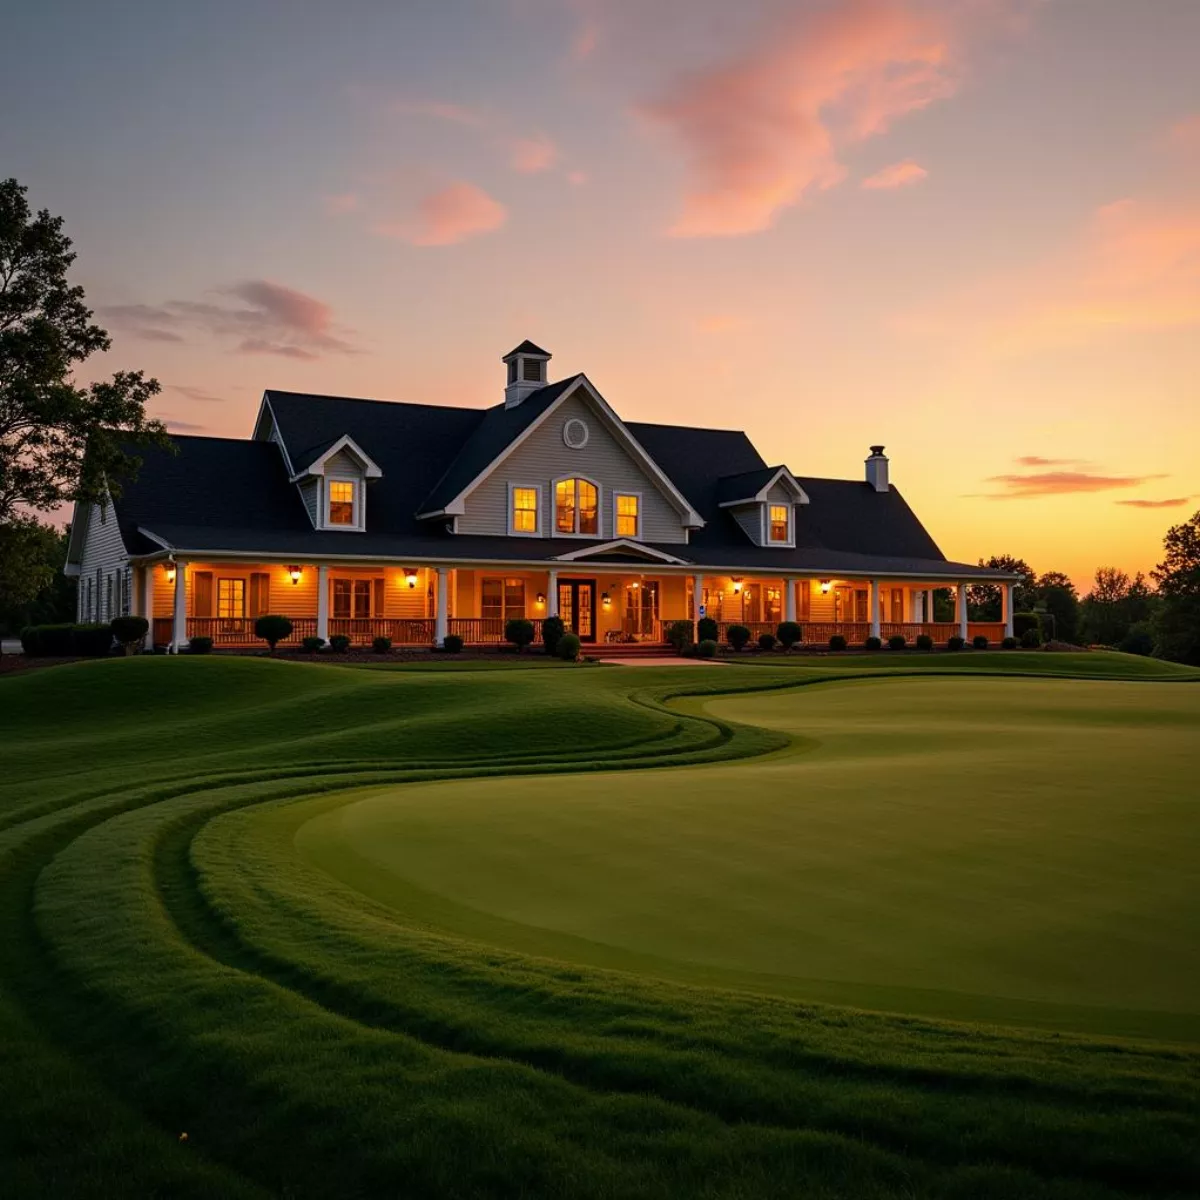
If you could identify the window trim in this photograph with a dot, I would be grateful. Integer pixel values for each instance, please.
(616, 498)
(767, 539)
(358, 505)
(575, 475)
(536, 488)
(503, 581)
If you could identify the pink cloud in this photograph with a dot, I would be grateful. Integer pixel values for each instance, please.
(577, 178)
(1175, 502)
(1185, 134)
(533, 154)
(762, 128)
(453, 214)
(1036, 460)
(457, 114)
(901, 174)
(719, 323)
(344, 202)
(585, 41)
(1057, 483)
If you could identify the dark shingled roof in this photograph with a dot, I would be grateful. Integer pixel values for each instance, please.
(526, 347)
(745, 485)
(222, 494)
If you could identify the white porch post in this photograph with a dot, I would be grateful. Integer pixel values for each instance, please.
(179, 637)
(697, 603)
(875, 608)
(552, 593)
(918, 603)
(323, 602)
(440, 626)
(789, 609)
(148, 600)
(960, 605)
(1006, 606)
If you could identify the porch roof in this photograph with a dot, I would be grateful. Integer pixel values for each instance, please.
(543, 553)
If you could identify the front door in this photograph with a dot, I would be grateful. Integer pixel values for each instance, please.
(577, 607)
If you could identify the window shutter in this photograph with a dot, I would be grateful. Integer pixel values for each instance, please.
(260, 593)
(202, 598)
(377, 605)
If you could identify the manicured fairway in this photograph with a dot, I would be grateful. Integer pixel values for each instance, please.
(354, 932)
(971, 848)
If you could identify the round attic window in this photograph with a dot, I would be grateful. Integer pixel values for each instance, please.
(575, 433)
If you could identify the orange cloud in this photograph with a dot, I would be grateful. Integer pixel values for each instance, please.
(763, 128)
(1175, 502)
(901, 174)
(1036, 460)
(1057, 483)
(453, 214)
(532, 155)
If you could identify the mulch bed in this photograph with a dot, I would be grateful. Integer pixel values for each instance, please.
(11, 663)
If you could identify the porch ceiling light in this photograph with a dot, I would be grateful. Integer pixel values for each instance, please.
(410, 576)
(169, 568)
(294, 574)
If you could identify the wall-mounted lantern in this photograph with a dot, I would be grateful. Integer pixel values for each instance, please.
(169, 568)
(410, 577)
(541, 599)
(605, 599)
(737, 584)
(825, 586)
(294, 574)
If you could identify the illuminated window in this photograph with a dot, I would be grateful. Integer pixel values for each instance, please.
(627, 516)
(524, 510)
(341, 502)
(779, 522)
(502, 599)
(576, 507)
(357, 599)
(231, 599)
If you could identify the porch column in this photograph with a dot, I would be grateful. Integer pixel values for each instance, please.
(323, 602)
(440, 627)
(789, 602)
(918, 608)
(179, 637)
(148, 600)
(1006, 608)
(552, 593)
(875, 608)
(697, 604)
(960, 606)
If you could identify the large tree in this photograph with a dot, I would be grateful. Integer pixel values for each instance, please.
(983, 599)
(1177, 621)
(33, 588)
(59, 441)
(1115, 603)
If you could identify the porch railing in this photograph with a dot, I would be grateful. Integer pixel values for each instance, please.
(404, 631)
(485, 631)
(818, 633)
(757, 628)
(239, 631)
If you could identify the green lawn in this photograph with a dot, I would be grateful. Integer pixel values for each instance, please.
(354, 931)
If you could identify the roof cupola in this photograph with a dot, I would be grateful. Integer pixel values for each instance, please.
(526, 365)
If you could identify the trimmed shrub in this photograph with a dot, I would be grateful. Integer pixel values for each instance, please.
(956, 643)
(679, 635)
(737, 636)
(452, 643)
(872, 643)
(789, 633)
(310, 645)
(339, 643)
(1031, 639)
(91, 641)
(568, 647)
(766, 641)
(128, 631)
(1024, 621)
(47, 641)
(837, 642)
(381, 645)
(552, 629)
(707, 648)
(897, 641)
(520, 633)
(1009, 643)
(200, 645)
(924, 641)
(1139, 639)
(272, 628)
(706, 630)
(979, 641)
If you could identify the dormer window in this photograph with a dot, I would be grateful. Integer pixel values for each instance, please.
(779, 517)
(343, 502)
(576, 508)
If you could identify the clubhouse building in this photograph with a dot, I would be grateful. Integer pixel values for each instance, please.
(414, 521)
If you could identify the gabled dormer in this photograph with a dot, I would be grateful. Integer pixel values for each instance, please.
(764, 504)
(333, 485)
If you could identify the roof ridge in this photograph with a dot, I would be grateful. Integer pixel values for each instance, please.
(375, 400)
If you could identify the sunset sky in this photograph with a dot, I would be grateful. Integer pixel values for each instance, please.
(969, 230)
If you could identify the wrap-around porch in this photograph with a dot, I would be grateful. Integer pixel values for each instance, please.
(422, 605)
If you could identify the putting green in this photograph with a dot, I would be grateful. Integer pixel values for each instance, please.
(1010, 849)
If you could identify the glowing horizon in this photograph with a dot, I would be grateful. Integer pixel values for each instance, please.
(967, 231)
